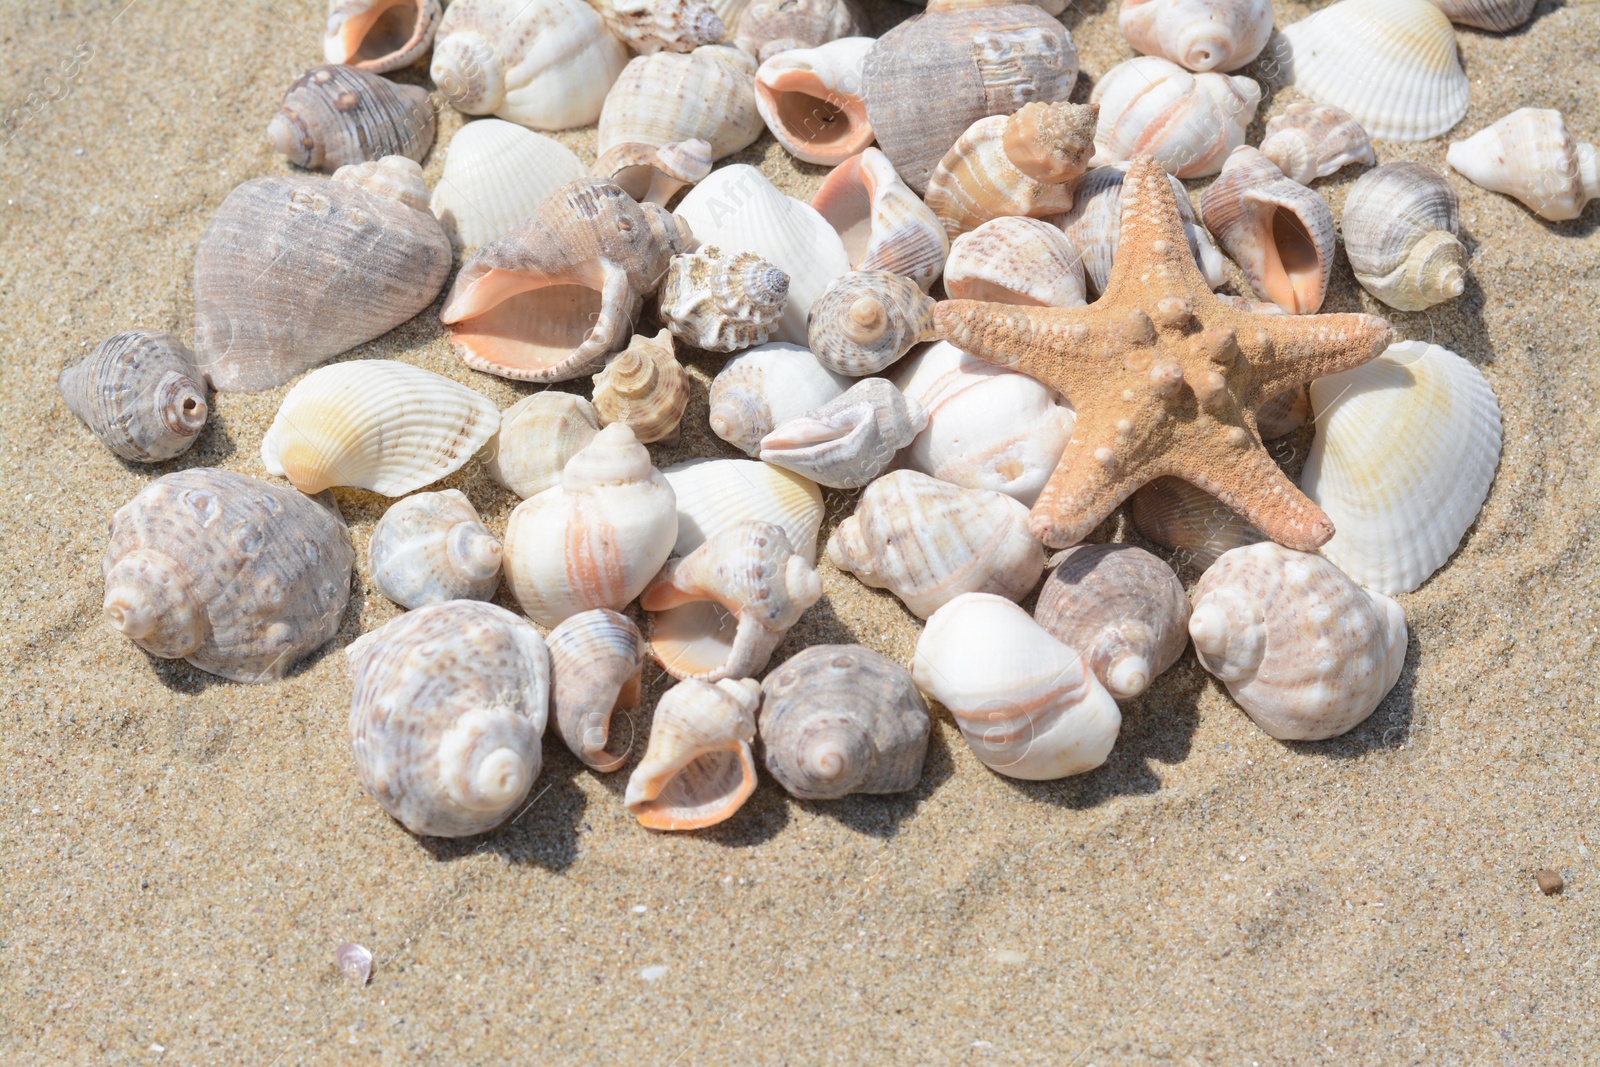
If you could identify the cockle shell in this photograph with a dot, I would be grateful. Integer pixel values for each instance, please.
(1200, 35)
(375, 424)
(648, 26)
(1405, 452)
(334, 116)
(1409, 85)
(1530, 155)
(1150, 106)
(1024, 701)
(738, 208)
(1400, 224)
(722, 303)
(770, 27)
(868, 319)
(1310, 141)
(554, 297)
(595, 540)
(596, 667)
(988, 428)
(379, 35)
(1279, 231)
(841, 719)
(882, 222)
(1016, 260)
(449, 708)
(496, 173)
(851, 439)
(538, 434)
(1021, 164)
(722, 610)
(1499, 16)
(1119, 606)
(1304, 650)
(671, 97)
(715, 494)
(931, 77)
(928, 541)
(292, 271)
(1197, 526)
(540, 63)
(810, 98)
(766, 386)
(653, 174)
(140, 393)
(697, 770)
(644, 386)
(238, 576)
(430, 548)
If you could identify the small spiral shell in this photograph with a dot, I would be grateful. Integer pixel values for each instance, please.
(722, 303)
(866, 320)
(596, 662)
(644, 386)
(334, 116)
(140, 393)
(430, 547)
(1400, 224)
(697, 770)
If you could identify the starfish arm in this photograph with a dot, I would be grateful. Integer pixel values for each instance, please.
(1250, 483)
(1007, 335)
(1301, 348)
(1089, 482)
(1152, 245)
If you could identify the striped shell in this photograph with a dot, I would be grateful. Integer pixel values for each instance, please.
(596, 666)
(335, 116)
(697, 770)
(431, 547)
(645, 387)
(140, 393)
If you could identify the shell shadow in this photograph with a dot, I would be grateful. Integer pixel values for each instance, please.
(883, 814)
(543, 833)
(1393, 726)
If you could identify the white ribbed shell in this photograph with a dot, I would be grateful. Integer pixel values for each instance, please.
(495, 173)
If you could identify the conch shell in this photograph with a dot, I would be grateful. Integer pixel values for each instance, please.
(810, 98)
(648, 26)
(770, 27)
(868, 319)
(1200, 35)
(430, 548)
(334, 116)
(697, 770)
(850, 440)
(1197, 526)
(140, 393)
(1530, 155)
(1311, 141)
(765, 387)
(714, 494)
(1279, 231)
(671, 97)
(1016, 260)
(653, 174)
(379, 35)
(596, 667)
(538, 434)
(645, 387)
(1021, 164)
(722, 303)
(497, 173)
(1400, 224)
(882, 223)
(1190, 123)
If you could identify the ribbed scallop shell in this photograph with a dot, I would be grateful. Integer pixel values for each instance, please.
(140, 393)
(537, 435)
(866, 320)
(715, 494)
(1400, 224)
(1279, 232)
(1310, 141)
(596, 667)
(1405, 452)
(1530, 155)
(648, 26)
(1305, 651)
(430, 548)
(851, 439)
(1150, 106)
(1497, 15)
(335, 116)
(766, 386)
(645, 387)
(1199, 35)
(671, 97)
(1022, 164)
(883, 224)
(653, 174)
(810, 98)
(770, 27)
(379, 35)
(722, 303)
(496, 173)
(697, 770)
(449, 708)
(375, 424)
(841, 719)
(1194, 524)
(1016, 260)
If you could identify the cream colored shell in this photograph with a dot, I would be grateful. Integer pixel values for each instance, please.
(496, 173)
(715, 494)
(1497, 15)
(722, 303)
(537, 435)
(431, 547)
(851, 439)
(1400, 224)
(653, 174)
(596, 667)
(883, 224)
(697, 770)
(645, 387)
(768, 28)
(670, 97)
(648, 26)
(1199, 35)
(140, 393)
(1530, 155)
(1280, 232)
(1016, 260)
(766, 386)
(810, 98)
(379, 35)
(1021, 164)
(1189, 122)
(1310, 141)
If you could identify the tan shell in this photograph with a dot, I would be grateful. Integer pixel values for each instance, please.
(596, 666)
(538, 434)
(883, 224)
(697, 770)
(851, 439)
(654, 174)
(1284, 413)
(1185, 518)
(1150, 106)
(1310, 141)
(722, 303)
(1016, 260)
(668, 98)
(1530, 155)
(769, 27)
(140, 393)
(1277, 230)
(1400, 224)
(240, 577)
(1199, 35)
(1499, 16)
(431, 547)
(866, 320)
(1022, 164)
(648, 26)
(714, 494)
(379, 35)
(644, 386)
(810, 98)
(335, 116)
(755, 392)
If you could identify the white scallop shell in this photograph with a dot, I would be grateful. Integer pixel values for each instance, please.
(851, 439)
(1198, 34)
(670, 97)
(1189, 122)
(430, 548)
(765, 386)
(495, 174)
(715, 494)
(1016, 260)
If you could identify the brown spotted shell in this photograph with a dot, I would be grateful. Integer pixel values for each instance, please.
(333, 116)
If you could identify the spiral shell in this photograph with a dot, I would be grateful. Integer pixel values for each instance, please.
(714, 494)
(379, 35)
(1400, 224)
(644, 386)
(653, 174)
(1185, 518)
(697, 770)
(671, 97)
(1200, 35)
(1150, 106)
(1278, 231)
(1016, 260)
(648, 26)
(868, 319)
(537, 435)
(810, 98)
(497, 173)
(882, 223)
(334, 116)
(766, 386)
(722, 303)
(596, 666)
(140, 393)
(1500, 16)
(770, 27)
(851, 439)
(1310, 141)
(1530, 155)
(430, 548)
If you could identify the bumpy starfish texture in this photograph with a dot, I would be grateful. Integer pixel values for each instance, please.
(1166, 378)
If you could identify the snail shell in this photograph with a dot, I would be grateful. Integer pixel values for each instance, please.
(1185, 518)
(1201, 35)
(645, 387)
(1278, 231)
(670, 97)
(851, 439)
(1150, 106)
(596, 665)
(868, 319)
(140, 393)
(770, 27)
(722, 303)
(766, 386)
(714, 494)
(1310, 141)
(810, 98)
(883, 224)
(496, 173)
(653, 174)
(379, 35)
(335, 116)
(1530, 155)
(430, 548)
(648, 26)
(1016, 260)
(1499, 16)
(1400, 224)
(538, 434)
(697, 770)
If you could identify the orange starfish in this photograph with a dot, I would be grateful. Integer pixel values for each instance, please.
(1165, 377)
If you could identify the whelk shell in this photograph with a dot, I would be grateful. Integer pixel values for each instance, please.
(868, 319)
(379, 35)
(653, 174)
(1400, 224)
(1310, 141)
(140, 393)
(537, 435)
(335, 116)
(722, 303)
(430, 548)
(715, 494)
(851, 439)
(1197, 526)
(1016, 260)
(496, 173)
(596, 667)
(648, 26)
(1200, 35)
(810, 98)
(1497, 15)
(770, 27)
(645, 387)
(670, 97)
(766, 386)
(1530, 155)
(1150, 106)
(883, 224)
(1279, 231)
(697, 770)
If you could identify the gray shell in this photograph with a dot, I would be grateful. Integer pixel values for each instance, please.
(335, 115)
(140, 393)
(767, 27)
(850, 440)
(430, 548)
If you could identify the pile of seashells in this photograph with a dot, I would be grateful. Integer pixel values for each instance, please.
(1010, 193)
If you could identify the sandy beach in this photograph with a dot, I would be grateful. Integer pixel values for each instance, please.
(180, 855)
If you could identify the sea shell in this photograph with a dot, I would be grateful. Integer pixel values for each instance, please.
(239, 577)
(1200, 35)
(722, 610)
(1310, 141)
(1150, 106)
(538, 434)
(294, 270)
(554, 297)
(851, 439)
(496, 173)
(430, 548)
(697, 770)
(931, 77)
(868, 319)
(671, 97)
(379, 35)
(595, 540)
(988, 428)
(1497, 15)
(729, 10)
(1400, 224)
(1410, 85)
(1530, 155)
(738, 208)
(766, 386)
(1304, 650)
(653, 174)
(354, 962)
(335, 116)
(644, 386)
(540, 63)
(715, 494)
(1405, 452)
(841, 719)
(1285, 413)
(375, 424)
(1016, 260)
(928, 541)
(722, 303)
(770, 27)
(1024, 701)
(810, 98)
(1279, 231)
(1119, 606)
(448, 711)
(1021, 164)
(882, 222)
(140, 393)
(648, 26)
(1197, 526)
(596, 667)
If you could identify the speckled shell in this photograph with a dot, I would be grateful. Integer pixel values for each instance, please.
(770, 27)
(379, 35)
(1119, 606)
(810, 98)
(1497, 15)
(559, 293)
(653, 174)
(375, 424)
(430, 548)
(334, 116)
(1530, 155)
(866, 320)
(697, 770)
(538, 434)
(1025, 702)
(714, 494)
(1199, 35)
(766, 386)
(239, 577)
(1150, 106)
(928, 541)
(644, 386)
(596, 667)
(447, 715)
(1304, 650)
(648, 26)
(722, 303)
(1400, 224)
(140, 393)
(1311, 141)
(1022, 164)
(1279, 232)
(670, 97)
(851, 439)
(497, 173)
(883, 224)
(292, 271)
(841, 719)
(1194, 524)
(1016, 260)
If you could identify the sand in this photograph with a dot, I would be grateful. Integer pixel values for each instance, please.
(179, 856)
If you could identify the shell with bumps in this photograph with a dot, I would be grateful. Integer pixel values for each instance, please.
(379, 35)
(810, 98)
(430, 548)
(653, 174)
(768, 28)
(1199, 35)
(697, 770)
(496, 173)
(648, 26)
(645, 387)
(1197, 526)
(1311, 141)
(596, 668)
(851, 439)
(883, 224)
(140, 393)
(1150, 106)
(1400, 224)
(1530, 155)
(240, 577)
(673, 97)
(537, 435)
(714, 494)
(755, 392)
(1279, 232)
(868, 319)
(722, 303)
(1016, 260)
(335, 116)
(449, 707)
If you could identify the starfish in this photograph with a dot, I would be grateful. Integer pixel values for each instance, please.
(1165, 376)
